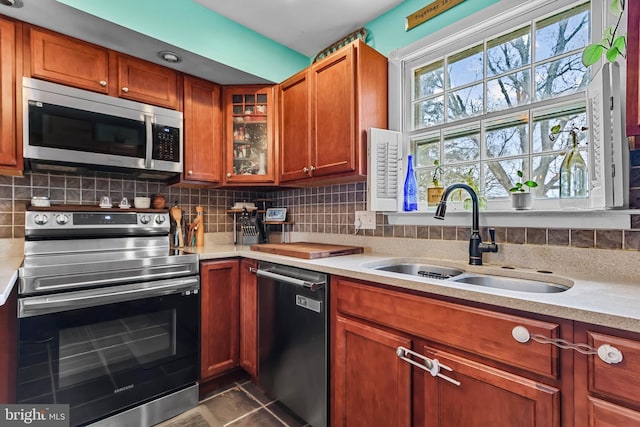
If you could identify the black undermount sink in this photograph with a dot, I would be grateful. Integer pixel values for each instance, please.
(460, 276)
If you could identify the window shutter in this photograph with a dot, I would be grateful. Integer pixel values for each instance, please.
(384, 152)
(607, 146)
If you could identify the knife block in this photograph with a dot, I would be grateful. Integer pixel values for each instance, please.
(248, 239)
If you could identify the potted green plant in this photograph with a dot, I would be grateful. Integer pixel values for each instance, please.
(611, 45)
(521, 199)
(435, 189)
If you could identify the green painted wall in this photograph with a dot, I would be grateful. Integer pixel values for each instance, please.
(193, 27)
(387, 32)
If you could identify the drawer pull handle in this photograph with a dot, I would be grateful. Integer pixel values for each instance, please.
(607, 353)
(430, 365)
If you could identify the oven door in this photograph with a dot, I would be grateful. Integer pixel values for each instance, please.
(106, 350)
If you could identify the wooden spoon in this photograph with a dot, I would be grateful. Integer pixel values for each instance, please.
(176, 214)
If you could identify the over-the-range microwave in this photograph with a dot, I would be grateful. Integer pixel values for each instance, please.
(74, 127)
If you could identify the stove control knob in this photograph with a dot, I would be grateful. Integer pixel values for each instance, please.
(145, 219)
(160, 219)
(40, 219)
(62, 219)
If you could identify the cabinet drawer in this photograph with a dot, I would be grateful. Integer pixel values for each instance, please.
(621, 380)
(482, 332)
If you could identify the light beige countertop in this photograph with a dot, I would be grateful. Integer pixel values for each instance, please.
(592, 298)
(612, 304)
(8, 276)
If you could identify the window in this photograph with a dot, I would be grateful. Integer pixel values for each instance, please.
(484, 104)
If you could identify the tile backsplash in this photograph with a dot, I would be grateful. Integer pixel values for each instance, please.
(16, 194)
(332, 209)
(328, 209)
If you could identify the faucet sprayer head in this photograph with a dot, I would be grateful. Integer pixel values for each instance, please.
(441, 210)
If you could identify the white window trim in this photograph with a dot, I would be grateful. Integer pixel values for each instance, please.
(499, 14)
(534, 218)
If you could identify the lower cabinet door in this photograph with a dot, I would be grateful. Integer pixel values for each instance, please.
(486, 396)
(249, 317)
(219, 317)
(371, 385)
(605, 414)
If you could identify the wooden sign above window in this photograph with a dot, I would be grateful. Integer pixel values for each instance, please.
(429, 11)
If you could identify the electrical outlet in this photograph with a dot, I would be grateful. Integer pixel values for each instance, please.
(365, 220)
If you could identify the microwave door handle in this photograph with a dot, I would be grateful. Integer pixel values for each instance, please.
(149, 141)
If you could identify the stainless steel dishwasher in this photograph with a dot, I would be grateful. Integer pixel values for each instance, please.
(293, 339)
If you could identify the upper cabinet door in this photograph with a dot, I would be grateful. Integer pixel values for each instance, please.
(333, 108)
(202, 131)
(324, 140)
(295, 128)
(8, 149)
(68, 61)
(147, 82)
(249, 147)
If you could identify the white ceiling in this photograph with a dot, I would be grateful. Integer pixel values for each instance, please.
(306, 26)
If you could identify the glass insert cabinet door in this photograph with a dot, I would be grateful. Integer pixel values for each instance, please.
(249, 134)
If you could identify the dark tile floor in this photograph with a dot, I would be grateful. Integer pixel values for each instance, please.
(241, 404)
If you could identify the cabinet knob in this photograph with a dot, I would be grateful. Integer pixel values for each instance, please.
(125, 89)
(190, 172)
(305, 169)
(229, 175)
(312, 168)
(103, 83)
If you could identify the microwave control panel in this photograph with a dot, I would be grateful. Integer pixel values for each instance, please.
(166, 143)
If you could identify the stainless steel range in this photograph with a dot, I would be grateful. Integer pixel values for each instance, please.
(108, 316)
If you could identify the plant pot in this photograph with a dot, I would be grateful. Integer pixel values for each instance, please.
(434, 194)
(521, 201)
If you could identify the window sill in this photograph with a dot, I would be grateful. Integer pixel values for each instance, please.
(537, 218)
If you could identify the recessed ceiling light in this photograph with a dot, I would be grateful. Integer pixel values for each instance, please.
(7, 2)
(165, 55)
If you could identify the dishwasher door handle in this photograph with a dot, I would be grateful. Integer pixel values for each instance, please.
(314, 286)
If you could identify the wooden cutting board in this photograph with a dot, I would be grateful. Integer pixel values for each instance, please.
(307, 250)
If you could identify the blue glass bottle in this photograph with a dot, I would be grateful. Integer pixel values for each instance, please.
(410, 188)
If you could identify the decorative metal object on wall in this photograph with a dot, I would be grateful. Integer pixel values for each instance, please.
(429, 11)
(349, 38)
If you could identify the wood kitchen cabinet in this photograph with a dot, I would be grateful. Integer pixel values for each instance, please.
(72, 62)
(295, 127)
(202, 131)
(249, 317)
(9, 347)
(607, 394)
(10, 156)
(633, 71)
(146, 82)
(67, 61)
(325, 112)
(371, 385)
(500, 381)
(249, 149)
(220, 321)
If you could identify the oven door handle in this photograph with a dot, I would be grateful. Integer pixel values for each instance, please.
(46, 304)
